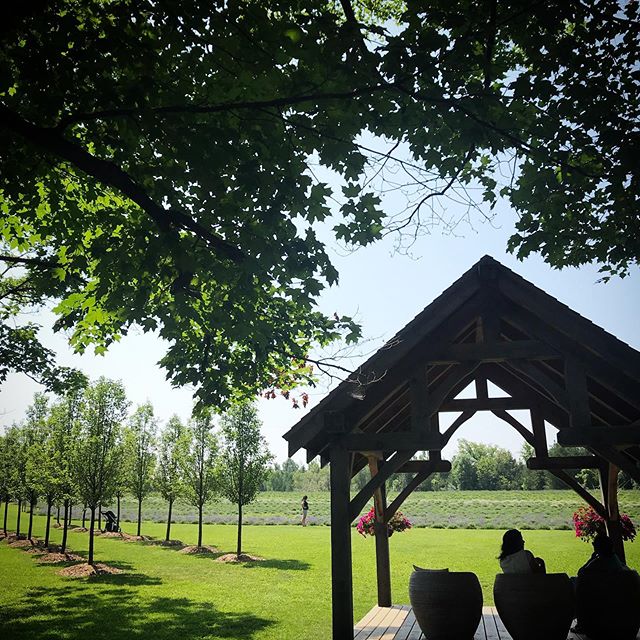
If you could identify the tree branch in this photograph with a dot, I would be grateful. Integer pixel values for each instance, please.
(109, 173)
(218, 108)
(37, 262)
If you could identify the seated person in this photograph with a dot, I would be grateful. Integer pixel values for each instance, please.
(603, 558)
(515, 559)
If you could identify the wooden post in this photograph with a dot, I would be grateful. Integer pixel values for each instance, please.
(609, 489)
(341, 569)
(383, 563)
(539, 434)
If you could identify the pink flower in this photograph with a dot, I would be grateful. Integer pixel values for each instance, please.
(587, 524)
(366, 525)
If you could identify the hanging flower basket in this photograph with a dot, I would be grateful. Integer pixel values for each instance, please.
(588, 524)
(367, 524)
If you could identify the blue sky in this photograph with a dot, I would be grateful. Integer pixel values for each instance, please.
(384, 291)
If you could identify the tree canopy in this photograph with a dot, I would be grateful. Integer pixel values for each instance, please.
(194, 138)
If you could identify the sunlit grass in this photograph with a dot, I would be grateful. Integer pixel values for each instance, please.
(166, 595)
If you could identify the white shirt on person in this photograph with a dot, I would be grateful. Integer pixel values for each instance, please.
(518, 562)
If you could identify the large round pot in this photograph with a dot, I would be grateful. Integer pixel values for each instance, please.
(447, 605)
(535, 606)
(608, 604)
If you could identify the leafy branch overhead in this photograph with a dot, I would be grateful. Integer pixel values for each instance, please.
(159, 159)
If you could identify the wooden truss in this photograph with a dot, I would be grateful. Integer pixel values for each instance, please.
(491, 326)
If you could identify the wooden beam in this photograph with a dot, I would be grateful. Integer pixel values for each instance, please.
(341, 565)
(390, 441)
(619, 459)
(455, 425)
(626, 435)
(569, 323)
(418, 466)
(597, 367)
(459, 374)
(528, 396)
(415, 482)
(613, 522)
(494, 352)
(383, 564)
(526, 371)
(443, 318)
(564, 462)
(434, 427)
(400, 371)
(359, 501)
(489, 319)
(578, 394)
(516, 424)
(488, 404)
(539, 433)
(419, 400)
(580, 490)
(482, 388)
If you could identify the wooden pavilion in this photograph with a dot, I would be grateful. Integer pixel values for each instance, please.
(489, 326)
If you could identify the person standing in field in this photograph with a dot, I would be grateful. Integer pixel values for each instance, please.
(305, 511)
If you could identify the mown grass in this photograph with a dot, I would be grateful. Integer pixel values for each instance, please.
(442, 509)
(166, 595)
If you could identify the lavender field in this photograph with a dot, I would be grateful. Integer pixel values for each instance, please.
(442, 509)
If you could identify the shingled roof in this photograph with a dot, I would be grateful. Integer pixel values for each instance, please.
(494, 325)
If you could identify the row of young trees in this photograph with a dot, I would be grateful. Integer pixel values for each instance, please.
(82, 448)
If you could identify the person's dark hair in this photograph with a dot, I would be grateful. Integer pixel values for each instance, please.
(304, 497)
(602, 545)
(512, 542)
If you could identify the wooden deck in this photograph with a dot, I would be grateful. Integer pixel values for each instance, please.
(398, 623)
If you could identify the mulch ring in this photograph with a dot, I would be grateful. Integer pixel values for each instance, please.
(23, 543)
(171, 543)
(109, 534)
(86, 570)
(79, 529)
(176, 544)
(128, 538)
(243, 557)
(58, 558)
(195, 550)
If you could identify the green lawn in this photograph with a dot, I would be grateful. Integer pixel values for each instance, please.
(165, 595)
(440, 509)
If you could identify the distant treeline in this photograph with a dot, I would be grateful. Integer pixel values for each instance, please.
(474, 466)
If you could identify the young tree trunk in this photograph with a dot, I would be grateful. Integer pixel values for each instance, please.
(100, 516)
(48, 527)
(84, 515)
(58, 514)
(118, 514)
(6, 510)
(18, 520)
(91, 526)
(70, 511)
(239, 549)
(30, 519)
(169, 522)
(200, 525)
(63, 546)
(139, 516)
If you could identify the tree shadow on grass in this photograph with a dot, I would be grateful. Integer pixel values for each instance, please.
(80, 611)
(285, 565)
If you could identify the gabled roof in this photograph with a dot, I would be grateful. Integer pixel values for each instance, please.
(377, 398)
